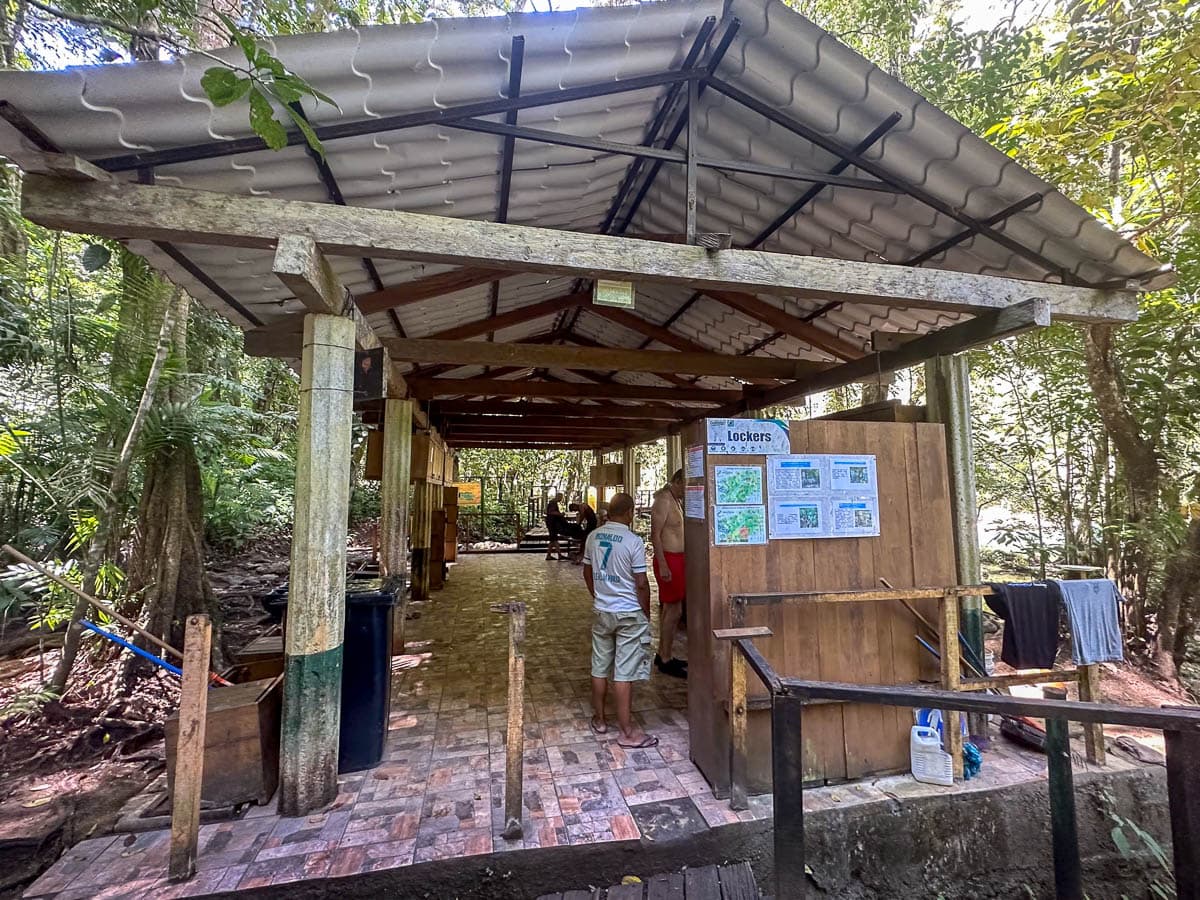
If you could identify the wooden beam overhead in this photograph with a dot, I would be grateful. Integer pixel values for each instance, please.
(151, 212)
(600, 422)
(981, 329)
(779, 320)
(478, 353)
(432, 388)
(555, 433)
(499, 444)
(305, 271)
(427, 288)
(660, 412)
(637, 324)
(519, 316)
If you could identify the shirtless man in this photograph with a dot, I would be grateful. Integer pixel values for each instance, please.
(666, 533)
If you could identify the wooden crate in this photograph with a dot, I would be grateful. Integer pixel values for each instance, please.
(241, 743)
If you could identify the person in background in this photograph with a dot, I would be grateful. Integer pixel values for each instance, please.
(614, 569)
(585, 523)
(555, 519)
(666, 534)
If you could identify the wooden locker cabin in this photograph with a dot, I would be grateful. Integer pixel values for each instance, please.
(865, 642)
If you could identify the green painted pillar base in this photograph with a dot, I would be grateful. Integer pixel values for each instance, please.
(312, 706)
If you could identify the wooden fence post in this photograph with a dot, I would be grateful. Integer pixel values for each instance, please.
(951, 677)
(514, 759)
(787, 776)
(1093, 732)
(1068, 880)
(189, 754)
(1183, 793)
(737, 730)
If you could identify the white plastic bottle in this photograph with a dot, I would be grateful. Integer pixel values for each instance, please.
(930, 763)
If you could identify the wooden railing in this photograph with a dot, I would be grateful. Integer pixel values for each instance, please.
(951, 661)
(788, 696)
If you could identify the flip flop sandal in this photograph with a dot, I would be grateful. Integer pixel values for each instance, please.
(598, 729)
(645, 744)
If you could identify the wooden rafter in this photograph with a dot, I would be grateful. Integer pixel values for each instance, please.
(432, 388)
(149, 212)
(764, 312)
(426, 288)
(478, 353)
(646, 411)
(519, 316)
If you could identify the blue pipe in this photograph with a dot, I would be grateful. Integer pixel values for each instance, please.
(174, 670)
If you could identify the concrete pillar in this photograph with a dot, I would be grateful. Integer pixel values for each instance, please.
(312, 680)
(397, 464)
(948, 400)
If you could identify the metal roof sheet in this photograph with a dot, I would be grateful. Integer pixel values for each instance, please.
(777, 56)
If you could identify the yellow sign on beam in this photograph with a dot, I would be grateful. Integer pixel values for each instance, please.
(613, 293)
(470, 493)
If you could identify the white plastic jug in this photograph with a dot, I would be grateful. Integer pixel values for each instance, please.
(930, 763)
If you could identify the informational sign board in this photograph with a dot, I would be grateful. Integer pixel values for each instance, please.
(822, 495)
(734, 525)
(470, 493)
(693, 501)
(738, 484)
(747, 436)
(694, 465)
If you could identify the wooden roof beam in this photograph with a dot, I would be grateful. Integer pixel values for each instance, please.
(152, 212)
(779, 320)
(551, 307)
(432, 388)
(645, 411)
(427, 288)
(477, 353)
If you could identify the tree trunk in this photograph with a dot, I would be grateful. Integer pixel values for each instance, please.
(111, 518)
(167, 568)
(1180, 602)
(1138, 460)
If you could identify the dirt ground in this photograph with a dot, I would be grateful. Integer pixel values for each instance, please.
(65, 775)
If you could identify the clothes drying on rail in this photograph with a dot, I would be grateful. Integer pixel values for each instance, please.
(1030, 614)
(1092, 611)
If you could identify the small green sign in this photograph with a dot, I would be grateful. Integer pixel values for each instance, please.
(613, 293)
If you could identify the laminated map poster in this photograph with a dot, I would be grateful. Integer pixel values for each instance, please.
(738, 484)
(822, 495)
(739, 525)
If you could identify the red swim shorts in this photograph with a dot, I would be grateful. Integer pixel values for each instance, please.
(672, 591)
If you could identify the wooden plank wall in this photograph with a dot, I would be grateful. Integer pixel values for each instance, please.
(854, 642)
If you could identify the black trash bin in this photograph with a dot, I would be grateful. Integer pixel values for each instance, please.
(366, 674)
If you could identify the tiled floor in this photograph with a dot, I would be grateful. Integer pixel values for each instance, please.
(439, 791)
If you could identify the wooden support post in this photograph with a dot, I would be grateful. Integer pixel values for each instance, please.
(422, 520)
(948, 400)
(628, 470)
(394, 489)
(951, 676)
(674, 453)
(787, 778)
(189, 754)
(738, 799)
(1068, 880)
(514, 751)
(1093, 732)
(1183, 795)
(312, 682)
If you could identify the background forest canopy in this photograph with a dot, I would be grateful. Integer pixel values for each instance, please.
(1086, 438)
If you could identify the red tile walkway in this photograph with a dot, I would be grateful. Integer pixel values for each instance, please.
(438, 793)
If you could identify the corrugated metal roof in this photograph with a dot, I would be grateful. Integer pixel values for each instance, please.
(777, 56)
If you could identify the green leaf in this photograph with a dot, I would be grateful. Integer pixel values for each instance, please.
(265, 61)
(309, 135)
(95, 257)
(223, 86)
(264, 123)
